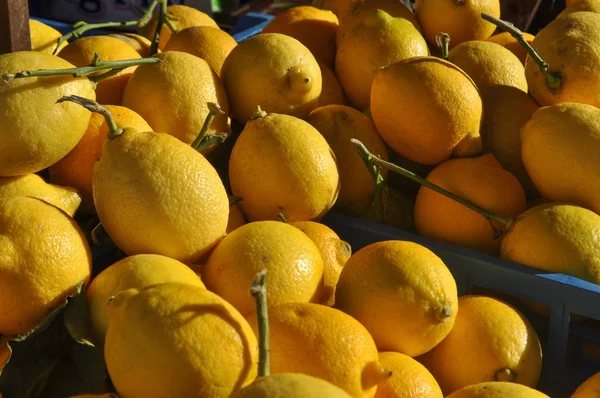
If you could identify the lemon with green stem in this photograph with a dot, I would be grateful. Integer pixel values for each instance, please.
(555, 237)
(563, 62)
(155, 194)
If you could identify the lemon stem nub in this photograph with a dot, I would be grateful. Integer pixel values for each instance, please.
(553, 79)
(505, 375)
(371, 159)
(96, 66)
(113, 129)
(282, 217)
(443, 42)
(258, 290)
(213, 110)
(258, 113)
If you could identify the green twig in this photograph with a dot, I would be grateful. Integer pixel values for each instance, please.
(443, 42)
(282, 217)
(374, 160)
(211, 140)
(81, 27)
(113, 129)
(213, 110)
(258, 290)
(553, 79)
(96, 66)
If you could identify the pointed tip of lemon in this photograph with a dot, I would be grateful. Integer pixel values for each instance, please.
(374, 374)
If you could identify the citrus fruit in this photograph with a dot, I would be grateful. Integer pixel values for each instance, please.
(30, 144)
(339, 124)
(177, 340)
(139, 43)
(311, 26)
(402, 293)
(461, 19)
(135, 271)
(293, 261)
(81, 52)
(290, 385)
(489, 64)
(282, 164)
(568, 44)
(155, 194)
(580, 5)
(339, 7)
(181, 17)
(589, 388)
(571, 133)
(44, 257)
(500, 337)
(181, 86)
(273, 71)
(76, 168)
(377, 41)
(334, 251)
(480, 180)
(556, 237)
(44, 37)
(511, 44)
(236, 218)
(207, 42)
(409, 378)
(497, 389)
(506, 110)
(427, 109)
(331, 92)
(362, 9)
(64, 197)
(313, 339)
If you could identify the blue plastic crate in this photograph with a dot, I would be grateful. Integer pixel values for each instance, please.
(563, 294)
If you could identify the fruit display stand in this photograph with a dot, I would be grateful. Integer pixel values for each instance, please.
(564, 295)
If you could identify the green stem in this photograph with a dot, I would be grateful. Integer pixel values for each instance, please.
(258, 290)
(553, 79)
(378, 202)
(213, 110)
(211, 140)
(81, 27)
(374, 160)
(282, 217)
(96, 66)
(443, 41)
(162, 16)
(113, 129)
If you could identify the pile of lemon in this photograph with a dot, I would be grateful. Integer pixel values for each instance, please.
(218, 159)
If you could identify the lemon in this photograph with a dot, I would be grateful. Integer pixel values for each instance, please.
(177, 340)
(293, 261)
(402, 292)
(43, 256)
(323, 342)
(132, 272)
(207, 42)
(30, 144)
(273, 71)
(139, 43)
(181, 17)
(44, 37)
(427, 109)
(409, 378)
(65, 198)
(334, 251)
(281, 164)
(173, 96)
(570, 132)
(556, 237)
(156, 195)
(290, 385)
(377, 41)
(568, 44)
(489, 64)
(497, 389)
(500, 337)
(589, 388)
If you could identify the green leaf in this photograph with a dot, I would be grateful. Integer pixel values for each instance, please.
(37, 355)
(77, 319)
